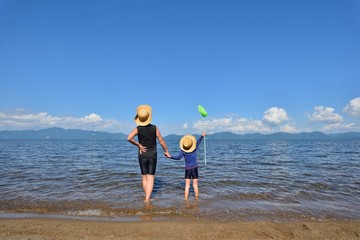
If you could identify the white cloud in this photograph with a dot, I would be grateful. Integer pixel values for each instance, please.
(92, 118)
(353, 107)
(325, 114)
(275, 115)
(288, 128)
(19, 120)
(231, 125)
(335, 127)
(185, 125)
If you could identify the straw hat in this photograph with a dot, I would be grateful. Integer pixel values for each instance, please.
(188, 143)
(143, 115)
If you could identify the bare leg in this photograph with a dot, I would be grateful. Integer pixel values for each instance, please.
(196, 189)
(149, 186)
(144, 182)
(187, 188)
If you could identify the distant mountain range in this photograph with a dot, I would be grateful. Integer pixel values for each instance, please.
(276, 136)
(287, 136)
(60, 133)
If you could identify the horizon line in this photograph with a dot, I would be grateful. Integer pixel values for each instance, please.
(248, 133)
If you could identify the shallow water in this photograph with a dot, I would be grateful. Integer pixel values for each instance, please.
(243, 180)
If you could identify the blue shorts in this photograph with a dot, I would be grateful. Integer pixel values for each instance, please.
(191, 173)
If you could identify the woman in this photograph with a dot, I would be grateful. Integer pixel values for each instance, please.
(147, 135)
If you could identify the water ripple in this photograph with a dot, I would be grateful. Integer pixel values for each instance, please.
(244, 179)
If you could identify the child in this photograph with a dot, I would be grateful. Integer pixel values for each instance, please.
(188, 147)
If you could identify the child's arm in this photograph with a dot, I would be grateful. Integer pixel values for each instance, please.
(200, 139)
(178, 157)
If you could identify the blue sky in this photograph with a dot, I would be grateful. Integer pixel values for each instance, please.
(256, 66)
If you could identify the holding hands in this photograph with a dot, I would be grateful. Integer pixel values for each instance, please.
(167, 154)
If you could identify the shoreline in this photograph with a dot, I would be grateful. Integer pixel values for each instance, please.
(176, 228)
(166, 214)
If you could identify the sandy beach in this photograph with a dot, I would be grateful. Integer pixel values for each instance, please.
(43, 228)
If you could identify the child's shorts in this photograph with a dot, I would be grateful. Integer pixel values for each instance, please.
(191, 173)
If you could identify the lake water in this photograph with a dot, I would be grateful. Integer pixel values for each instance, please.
(243, 180)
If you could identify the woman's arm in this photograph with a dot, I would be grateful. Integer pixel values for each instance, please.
(162, 143)
(131, 139)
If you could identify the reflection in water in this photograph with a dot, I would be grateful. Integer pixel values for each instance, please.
(192, 205)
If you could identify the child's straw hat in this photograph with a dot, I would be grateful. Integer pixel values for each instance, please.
(188, 143)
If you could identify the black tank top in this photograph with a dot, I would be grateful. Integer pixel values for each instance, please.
(147, 138)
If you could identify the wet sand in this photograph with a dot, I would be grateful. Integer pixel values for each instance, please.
(43, 228)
